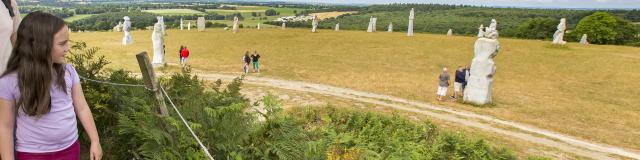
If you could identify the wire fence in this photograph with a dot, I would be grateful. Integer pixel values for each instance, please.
(206, 151)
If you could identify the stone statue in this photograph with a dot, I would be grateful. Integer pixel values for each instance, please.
(162, 26)
(375, 24)
(559, 35)
(118, 28)
(337, 26)
(411, 17)
(481, 31)
(450, 32)
(127, 34)
(390, 28)
(181, 24)
(583, 40)
(370, 24)
(314, 23)
(284, 25)
(258, 26)
(491, 31)
(235, 24)
(189, 26)
(158, 45)
(483, 69)
(200, 24)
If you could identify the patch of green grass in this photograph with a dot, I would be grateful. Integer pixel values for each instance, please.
(538, 158)
(557, 46)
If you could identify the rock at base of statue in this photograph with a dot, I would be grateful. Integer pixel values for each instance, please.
(479, 86)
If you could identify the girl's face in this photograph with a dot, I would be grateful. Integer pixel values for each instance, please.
(60, 45)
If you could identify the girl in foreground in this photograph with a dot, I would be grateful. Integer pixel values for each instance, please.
(41, 96)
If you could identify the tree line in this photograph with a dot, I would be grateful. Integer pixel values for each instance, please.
(465, 20)
(141, 20)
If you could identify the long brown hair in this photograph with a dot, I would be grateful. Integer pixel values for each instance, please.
(31, 60)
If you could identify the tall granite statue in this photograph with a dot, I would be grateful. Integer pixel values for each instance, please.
(370, 26)
(314, 23)
(583, 40)
(118, 28)
(559, 35)
(375, 24)
(481, 31)
(189, 26)
(236, 23)
(158, 45)
(411, 17)
(258, 26)
(390, 28)
(337, 27)
(483, 69)
(126, 27)
(200, 24)
(181, 24)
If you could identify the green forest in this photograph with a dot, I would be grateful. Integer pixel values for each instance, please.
(225, 121)
(465, 20)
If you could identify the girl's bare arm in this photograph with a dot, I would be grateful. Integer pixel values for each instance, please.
(7, 121)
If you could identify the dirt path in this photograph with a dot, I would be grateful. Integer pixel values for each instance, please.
(487, 123)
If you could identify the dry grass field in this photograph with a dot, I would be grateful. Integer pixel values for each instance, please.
(587, 91)
(325, 15)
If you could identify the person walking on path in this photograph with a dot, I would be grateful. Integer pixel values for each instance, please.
(41, 99)
(185, 55)
(256, 61)
(443, 84)
(180, 54)
(459, 81)
(246, 60)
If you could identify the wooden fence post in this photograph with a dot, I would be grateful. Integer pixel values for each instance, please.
(150, 79)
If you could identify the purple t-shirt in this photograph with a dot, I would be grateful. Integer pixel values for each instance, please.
(53, 131)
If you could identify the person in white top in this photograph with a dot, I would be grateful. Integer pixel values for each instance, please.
(9, 22)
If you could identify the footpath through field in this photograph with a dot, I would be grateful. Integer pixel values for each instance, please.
(483, 122)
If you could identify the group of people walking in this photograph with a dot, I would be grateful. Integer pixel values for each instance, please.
(248, 60)
(184, 55)
(462, 75)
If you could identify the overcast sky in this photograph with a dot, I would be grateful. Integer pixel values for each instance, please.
(506, 3)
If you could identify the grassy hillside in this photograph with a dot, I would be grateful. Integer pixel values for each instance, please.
(588, 91)
(174, 11)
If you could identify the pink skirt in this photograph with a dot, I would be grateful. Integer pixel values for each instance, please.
(71, 153)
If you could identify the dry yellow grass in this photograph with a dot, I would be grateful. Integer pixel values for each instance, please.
(325, 15)
(590, 92)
